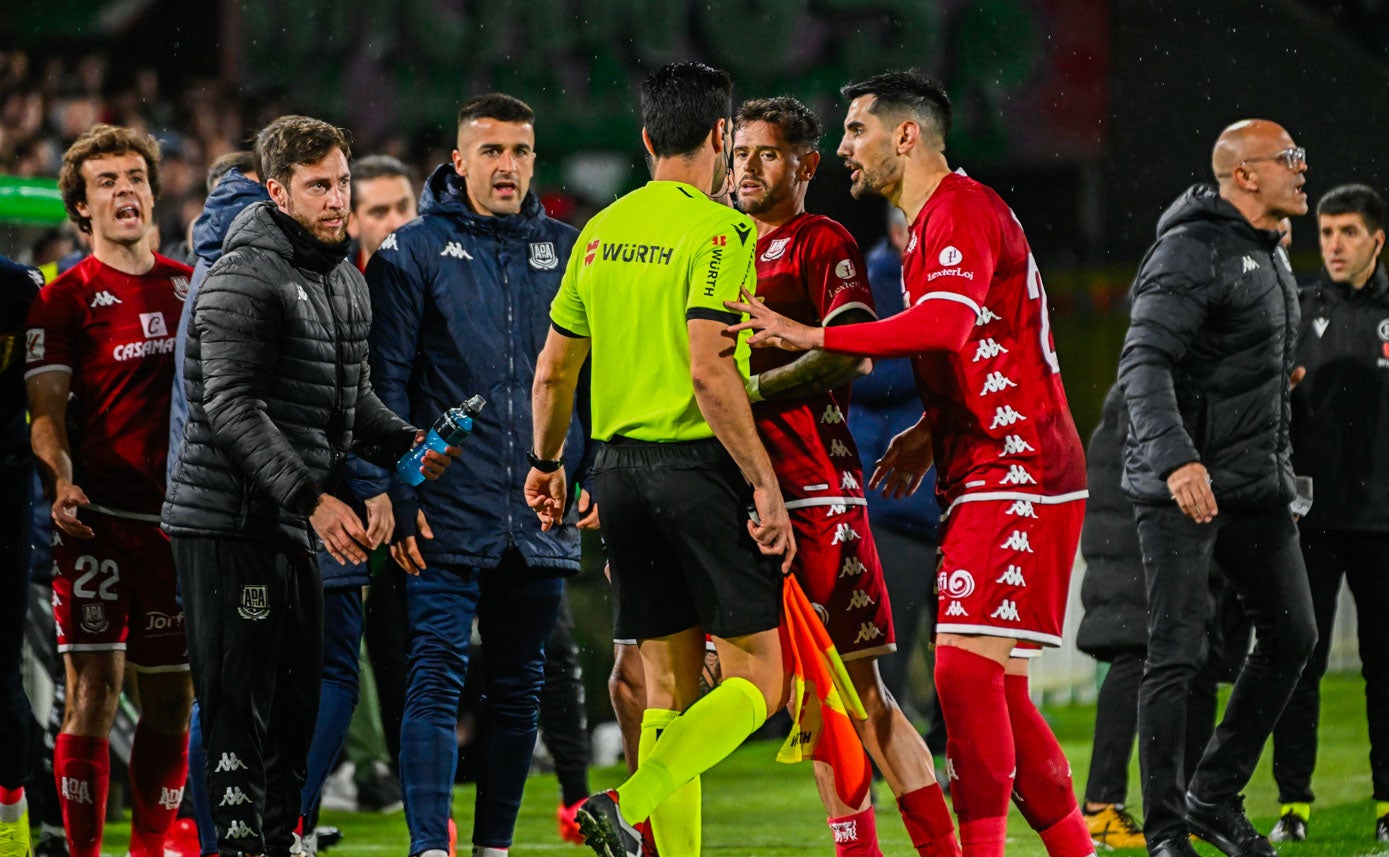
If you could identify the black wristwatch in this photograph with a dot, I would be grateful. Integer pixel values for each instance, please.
(544, 465)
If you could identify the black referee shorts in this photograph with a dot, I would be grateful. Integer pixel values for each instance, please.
(675, 518)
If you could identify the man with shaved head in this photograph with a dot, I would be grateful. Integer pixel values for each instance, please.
(1206, 374)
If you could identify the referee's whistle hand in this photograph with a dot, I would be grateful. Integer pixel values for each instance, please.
(546, 494)
(771, 528)
(341, 531)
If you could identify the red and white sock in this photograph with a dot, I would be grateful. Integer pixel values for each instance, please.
(856, 835)
(12, 804)
(1043, 790)
(82, 773)
(979, 755)
(158, 772)
(928, 822)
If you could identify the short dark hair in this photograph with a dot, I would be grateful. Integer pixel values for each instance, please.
(681, 103)
(799, 125)
(498, 106)
(910, 92)
(100, 142)
(379, 167)
(293, 141)
(1354, 199)
(242, 161)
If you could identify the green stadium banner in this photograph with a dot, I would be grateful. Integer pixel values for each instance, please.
(30, 202)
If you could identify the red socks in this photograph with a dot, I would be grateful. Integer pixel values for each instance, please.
(82, 772)
(979, 755)
(928, 822)
(158, 771)
(1043, 790)
(856, 835)
(10, 797)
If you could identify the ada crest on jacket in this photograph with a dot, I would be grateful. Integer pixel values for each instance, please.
(543, 257)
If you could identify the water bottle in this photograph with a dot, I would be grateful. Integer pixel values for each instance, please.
(449, 430)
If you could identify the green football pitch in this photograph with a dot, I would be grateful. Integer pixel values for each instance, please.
(754, 806)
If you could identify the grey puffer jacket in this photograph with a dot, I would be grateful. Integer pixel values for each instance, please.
(278, 389)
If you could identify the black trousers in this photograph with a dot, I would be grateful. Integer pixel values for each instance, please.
(254, 617)
(1260, 556)
(1363, 560)
(1116, 726)
(16, 719)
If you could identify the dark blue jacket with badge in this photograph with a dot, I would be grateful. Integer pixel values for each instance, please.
(461, 306)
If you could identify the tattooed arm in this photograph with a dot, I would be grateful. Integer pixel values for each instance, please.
(814, 371)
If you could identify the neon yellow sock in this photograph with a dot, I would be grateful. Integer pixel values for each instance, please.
(1301, 810)
(1381, 808)
(675, 824)
(693, 743)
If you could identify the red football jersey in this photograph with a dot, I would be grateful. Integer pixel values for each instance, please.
(1000, 421)
(115, 333)
(810, 269)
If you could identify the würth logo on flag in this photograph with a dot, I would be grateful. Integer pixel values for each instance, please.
(591, 251)
(720, 240)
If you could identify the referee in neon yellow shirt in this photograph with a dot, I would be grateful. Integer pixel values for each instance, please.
(697, 532)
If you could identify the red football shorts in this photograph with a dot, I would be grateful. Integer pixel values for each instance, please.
(118, 592)
(837, 566)
(1005, 569)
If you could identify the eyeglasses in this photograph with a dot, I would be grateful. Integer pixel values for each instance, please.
(1292, 157)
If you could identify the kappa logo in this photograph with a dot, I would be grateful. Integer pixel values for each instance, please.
(170, 798)
(852, 568)
(1017, 475)
(455, 250)
(1007, 611)
(775, 249)
(75, 790)
(104, 298)
(911, 245)
(844, 269)
(838, 450)
(844, 533)
(543, 256)
(229, 763)
(950, 256)
(591, 251)
(239, 829)
(255, 603)
(234, 796)
(996, 382)
(180, 287)
(844, 831)
(1004, 415)
(956, 609)
(389, 243)
(1018, 542)
(1022, 508)
(33, 344)
(1014, 445)
(986, 315)
(152, 323)
(847, 482)
(1248, 264)
(859, 600)
(835, 509)
(1320, 325)
(988, 349)
(1012, 577)
(832, 415)
(867, 632)
(37, 276)
(950, 769)
(302, 295)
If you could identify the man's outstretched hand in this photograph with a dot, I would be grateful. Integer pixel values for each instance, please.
(772, 329)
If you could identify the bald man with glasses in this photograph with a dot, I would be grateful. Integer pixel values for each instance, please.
(1205, 372)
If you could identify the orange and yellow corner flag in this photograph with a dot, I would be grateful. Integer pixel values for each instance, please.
(821, 699)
